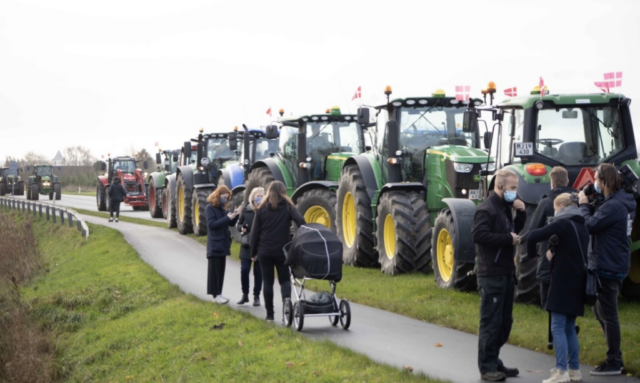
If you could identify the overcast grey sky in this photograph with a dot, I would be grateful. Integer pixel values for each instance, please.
(111, 74)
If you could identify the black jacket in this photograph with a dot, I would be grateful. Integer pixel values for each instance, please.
(610, 228)
(492, 225)
(543, 212)
(218, 236)
(116, 191)
(246, 217)
(271, 229)
(568, 273)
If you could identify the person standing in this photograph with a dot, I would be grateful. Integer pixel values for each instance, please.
(609, 256)
(494, 233)
(218, 240)
(116, 195)
(567, 283)
(269, 233)
(244, 226)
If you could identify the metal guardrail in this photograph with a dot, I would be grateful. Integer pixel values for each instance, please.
(51, 212)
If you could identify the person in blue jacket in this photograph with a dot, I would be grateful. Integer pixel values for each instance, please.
(609, 256)
(218, 240)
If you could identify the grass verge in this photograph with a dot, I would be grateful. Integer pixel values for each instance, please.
(115, 319)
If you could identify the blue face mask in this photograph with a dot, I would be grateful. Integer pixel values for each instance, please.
(257, 200)
(223, 200)
(596, 188)
(510, 195)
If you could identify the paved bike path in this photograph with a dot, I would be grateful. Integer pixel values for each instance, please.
(383, 336)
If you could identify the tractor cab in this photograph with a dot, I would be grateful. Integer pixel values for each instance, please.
(254, 144)
(214, 153)
(171, 160)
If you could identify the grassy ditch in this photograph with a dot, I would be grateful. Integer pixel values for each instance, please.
(110, 317)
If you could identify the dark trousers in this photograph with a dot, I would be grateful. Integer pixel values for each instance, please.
(544, 294)
(114, 206)
(496, 318)
(267, 264)
(606, 312)
(215, 275)
(245, 269)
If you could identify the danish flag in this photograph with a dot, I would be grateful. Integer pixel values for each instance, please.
(269, 111)
(358, 94)
(156, 143)
(611, 80)
(511, 92)
(462, 92)
(541, 87)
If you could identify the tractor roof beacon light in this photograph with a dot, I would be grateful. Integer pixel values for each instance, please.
(439, 93)
(536, 90)
(387, 91)
(335, 111)
(491, 89)
(484, 92)
(281, 112)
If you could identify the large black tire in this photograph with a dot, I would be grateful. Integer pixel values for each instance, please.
(3, 190)
(20, 188)
(107, 200)
(449, 272)
(354, 220)
(28, 196)
(183, 206)
(400, 215)
(100, 197)
(199, 206)
(527, 290)
(169, 203)
(34, 191)
(260, 177)
(236, 201)
(57, 188)
(319, 206)
(154, 207)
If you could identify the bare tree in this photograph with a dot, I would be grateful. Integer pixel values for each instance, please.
(78, 156)
(12, 159)
(32, 158)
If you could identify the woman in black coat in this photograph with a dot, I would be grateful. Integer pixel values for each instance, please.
(269, 233)
(116, 195)
(244, 226)
(218, 240)
(568, 280)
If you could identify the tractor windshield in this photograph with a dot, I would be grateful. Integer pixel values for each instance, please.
(44, 171)
(218, 149)
(264, 147)
(127, 166)
(579, 135)
(422, 128)
(331, 137)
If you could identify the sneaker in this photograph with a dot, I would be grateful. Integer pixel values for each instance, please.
(494, 376)
(509, 372)
(269, 318)
(557, 376)
(256, 300)
(110, 219)
(220, 299)
(575, 375)
(607, 368)
(116, 219)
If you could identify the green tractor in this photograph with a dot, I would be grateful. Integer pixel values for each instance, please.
(422, 164)
(43, 182)
(194, 182)
(10, 181)
(169, 191)
(575, 131)
(312, 151)
(157, 181)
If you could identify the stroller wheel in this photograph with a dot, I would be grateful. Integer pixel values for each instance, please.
(334, 319)
(287, 312)
(345, 314)
(298, 315)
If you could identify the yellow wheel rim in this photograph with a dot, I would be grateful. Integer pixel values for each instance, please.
(349, 219)
(445, 255)
(196, 213)
(634, 272)
(181, 204)
(389, 236)
(317, 214)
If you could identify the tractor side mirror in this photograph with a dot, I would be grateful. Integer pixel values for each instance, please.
(363, 116)
(103, 166)
(272, 132)
(187, 149)
(469, 121)
(488, 138)
(570, 114)
(145, 165)
(233, 141)
(158, 158)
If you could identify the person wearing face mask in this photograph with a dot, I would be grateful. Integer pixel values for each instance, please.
(609, 256)
(567, 281)
(244, 226)
(218, 240)
(494, 233)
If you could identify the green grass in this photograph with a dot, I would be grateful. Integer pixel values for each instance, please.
(114, 318)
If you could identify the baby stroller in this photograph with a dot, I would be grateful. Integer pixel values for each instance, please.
(315, 253)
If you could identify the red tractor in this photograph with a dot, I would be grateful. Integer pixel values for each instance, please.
(131, 178)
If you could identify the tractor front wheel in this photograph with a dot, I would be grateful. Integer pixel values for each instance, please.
(2, 189)
(236, 201)
(527, 289)
(34, 192)
(169, 206)
(100, 197)
(319, 206)
(199, 206)
(449, 273)
(20, 188)
(154, 208)
(183, 204)
(57, 188)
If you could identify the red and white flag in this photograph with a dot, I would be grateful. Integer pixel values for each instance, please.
(102, 156)
(511, 92)
(542, 92)
(358, 94)
(462, 92)
(611, 80)
(156, 143)
(269, 111)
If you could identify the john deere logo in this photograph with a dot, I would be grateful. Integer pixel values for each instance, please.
(476, 178)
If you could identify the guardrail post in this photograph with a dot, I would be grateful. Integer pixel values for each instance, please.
(53, 215)
(79, 224)
(40, 208)
(23, 206)
(61, 217)
(47, 211)
(70, 219)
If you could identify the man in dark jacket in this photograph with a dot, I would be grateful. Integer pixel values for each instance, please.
(559, 181)
(116, 195)
(609, 256)
(494, 233)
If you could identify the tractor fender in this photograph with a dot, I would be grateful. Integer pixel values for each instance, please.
(368, 175)
(103, 180)
(232, 176)
(157, 180)
(395, 186)
(463, 212)
(238, 189)
(224, 178)
(312, 185)
(187, 175)
(170, 182)
(273, 167)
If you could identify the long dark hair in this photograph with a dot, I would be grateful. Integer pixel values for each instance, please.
(276, 193)
(609, 177)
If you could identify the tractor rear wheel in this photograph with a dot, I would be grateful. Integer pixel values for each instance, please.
(34, 191)
(2, 189)
(169, 207)
(183, 205)
(402, 219)
(199, 205)
(449, 272)
(57, 188)
(354, 219)
(527, 289)
(260, 177)
(100, 197)
(20, 188)
(236, 201)
(154, 209)
(319, 206)
(28, 196)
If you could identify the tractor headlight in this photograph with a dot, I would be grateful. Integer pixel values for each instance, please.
(492, 167)
(462, 168)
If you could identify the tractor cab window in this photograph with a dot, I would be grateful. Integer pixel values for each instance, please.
(43, 171)
(194, 155)
(125, 166)
(264, 147)
(331, 137)
(579, 135)
(289, 141)
(218, 149)
(422, 128)
(513, 121)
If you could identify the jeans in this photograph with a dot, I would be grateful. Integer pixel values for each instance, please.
(496, 318)
(565, 341)
(267, 264)
(245, 269)
(114, 206)
(606, 312)
(215, 275)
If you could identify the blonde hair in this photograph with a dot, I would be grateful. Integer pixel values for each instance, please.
(563, 200)
(252, 197)
(503, 174)
(214, 198)
(277, 192)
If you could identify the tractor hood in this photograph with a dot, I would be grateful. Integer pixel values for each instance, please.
(129, 177)
(460, 154)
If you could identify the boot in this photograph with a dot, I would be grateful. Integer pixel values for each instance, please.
(244, 299)
(256, 300)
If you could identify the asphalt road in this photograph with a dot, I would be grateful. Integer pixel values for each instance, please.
(383, 336)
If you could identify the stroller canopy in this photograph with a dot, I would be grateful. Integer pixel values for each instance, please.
(316, 253)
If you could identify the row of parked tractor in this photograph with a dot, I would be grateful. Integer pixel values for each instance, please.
(398, 183)
(41, 182)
